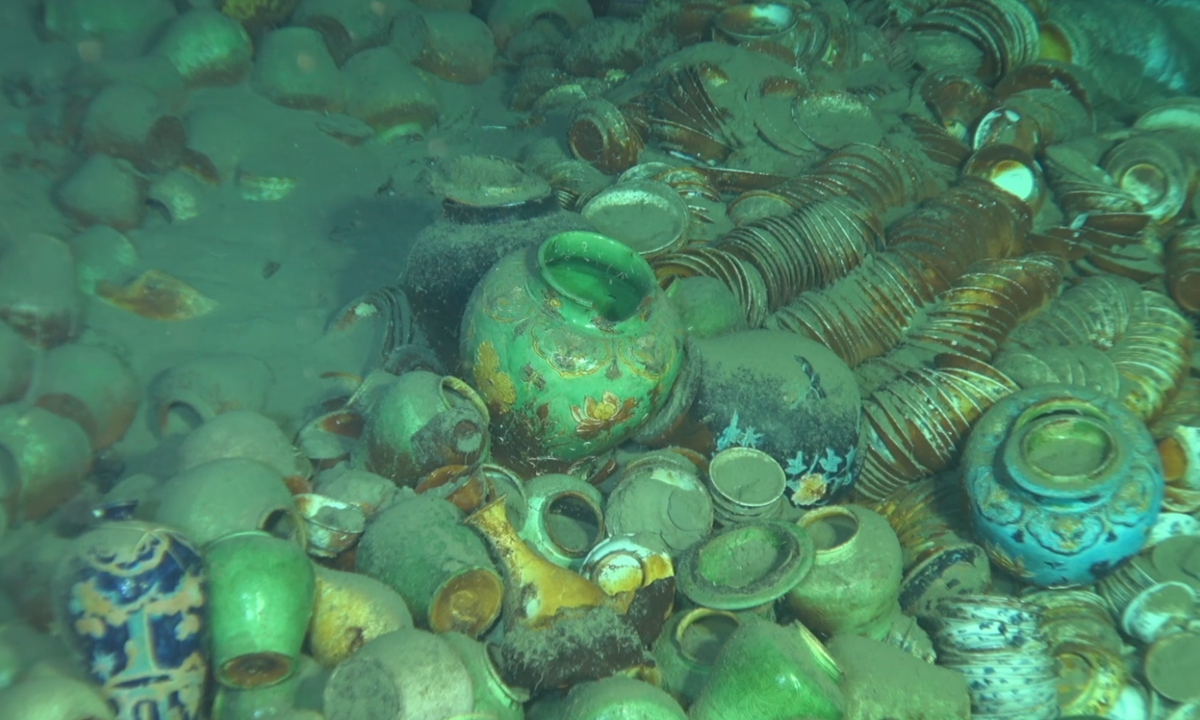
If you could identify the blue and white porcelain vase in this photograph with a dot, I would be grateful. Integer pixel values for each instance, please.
(1064, 484)
(130, 600)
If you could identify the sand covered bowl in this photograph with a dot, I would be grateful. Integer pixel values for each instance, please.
(647, 215)
(484, 188)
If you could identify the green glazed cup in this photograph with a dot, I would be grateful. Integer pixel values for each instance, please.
(261, 595)
(767, 672)
(573, 345)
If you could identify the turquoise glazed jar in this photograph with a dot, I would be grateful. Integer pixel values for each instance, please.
(573, 346)
(1064, 484)
(131, 601)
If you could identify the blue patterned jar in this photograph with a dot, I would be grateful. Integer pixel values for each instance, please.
(130, 598)
(1064, 484)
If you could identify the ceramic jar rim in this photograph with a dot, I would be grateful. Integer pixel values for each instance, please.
(832, 511)
(698, 615)
(627, 265)
(584, 501)
(1104, 476)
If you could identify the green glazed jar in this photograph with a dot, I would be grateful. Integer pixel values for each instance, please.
(687, 649)
(768, 672)
(620, 698)
(494, 698)
(573, 345)
(261, 595)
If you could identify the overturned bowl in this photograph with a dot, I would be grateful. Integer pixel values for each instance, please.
(483, 188)
(647, 215)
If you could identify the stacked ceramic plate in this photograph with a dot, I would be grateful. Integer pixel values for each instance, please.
(995, 642)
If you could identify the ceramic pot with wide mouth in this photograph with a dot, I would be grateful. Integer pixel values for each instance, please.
(689, 645)
(54, 696)
(188, 394)
(16, 364)
(854, 586)
(207, 48)
(390, 95)
(44, 459)
(621, 695)
(402, 674)
(565, 520)
(92, 386)
(227, 496)
(349, 610)
(245, 434)
(39, 297)
(573, 346)
(763, 667)
(294, 69)
(1065, 484)
(130, 121)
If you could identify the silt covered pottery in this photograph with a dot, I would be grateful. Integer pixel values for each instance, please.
(131, 601)
(573, 346)
(422, 421)
(785, 395)
(1064, 484)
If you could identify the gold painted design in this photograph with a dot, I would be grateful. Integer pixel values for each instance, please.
(568, 353)
(493, 383)
(1013, 566)
(597, 418)
(505, 302)
(649, 356)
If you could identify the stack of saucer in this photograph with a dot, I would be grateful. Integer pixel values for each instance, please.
(995, 642)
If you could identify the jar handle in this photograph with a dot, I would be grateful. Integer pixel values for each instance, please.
(457, 385)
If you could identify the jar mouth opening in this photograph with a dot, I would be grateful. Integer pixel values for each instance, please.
(703, 632)
(746, 477)
(1068, 447)
(598, 272)
(830, 528)
(573, 523)
(256, 670)
(1065, 451)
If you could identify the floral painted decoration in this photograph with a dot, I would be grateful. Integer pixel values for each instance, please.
(598, 417)
(735, 436)
(813, 479)
(493, 383)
